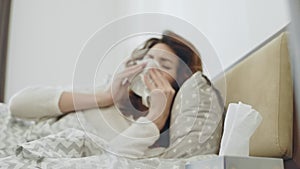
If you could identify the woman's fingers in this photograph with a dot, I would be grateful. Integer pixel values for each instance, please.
(123, 78)
(130, 72)
(163, 81)
(156, 77)
(152, 80)
(130, 69)
(159, 81)
(149, 82)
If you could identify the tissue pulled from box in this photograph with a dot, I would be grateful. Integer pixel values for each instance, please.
(240, 123)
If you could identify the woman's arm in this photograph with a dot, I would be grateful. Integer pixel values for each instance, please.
(36, 102)
(69, 102)
(39, 102)
(43, 101)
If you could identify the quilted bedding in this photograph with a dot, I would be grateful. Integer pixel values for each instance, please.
(62, 143)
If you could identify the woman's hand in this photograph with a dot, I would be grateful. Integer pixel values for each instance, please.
(161, 97)
(120, 83)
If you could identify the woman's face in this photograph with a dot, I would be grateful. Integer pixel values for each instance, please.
(167, 59)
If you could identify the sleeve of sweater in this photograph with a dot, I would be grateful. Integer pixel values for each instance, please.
(135, 140)
(36, 102)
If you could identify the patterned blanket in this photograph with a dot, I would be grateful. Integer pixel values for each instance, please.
(61, 143)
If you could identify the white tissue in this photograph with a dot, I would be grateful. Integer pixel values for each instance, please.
(138, 85)
(240, 123)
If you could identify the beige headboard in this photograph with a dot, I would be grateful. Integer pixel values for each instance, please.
(263, 79)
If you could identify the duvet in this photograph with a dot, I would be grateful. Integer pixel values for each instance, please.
(62, 143)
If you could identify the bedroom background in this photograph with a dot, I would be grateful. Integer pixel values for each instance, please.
(45, 37)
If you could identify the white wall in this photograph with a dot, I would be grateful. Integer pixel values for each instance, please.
(46, 35)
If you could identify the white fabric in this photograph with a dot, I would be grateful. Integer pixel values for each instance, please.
(136, 139)
(36, 102)
(130, 140)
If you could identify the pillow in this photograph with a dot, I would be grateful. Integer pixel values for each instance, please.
(196, 119)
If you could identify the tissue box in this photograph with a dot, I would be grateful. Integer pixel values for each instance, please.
(231, 162)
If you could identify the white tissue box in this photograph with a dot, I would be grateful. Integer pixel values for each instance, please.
(231, 162)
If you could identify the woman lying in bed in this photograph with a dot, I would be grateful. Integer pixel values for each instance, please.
(131, 124)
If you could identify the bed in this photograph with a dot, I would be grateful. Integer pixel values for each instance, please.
(261, 79)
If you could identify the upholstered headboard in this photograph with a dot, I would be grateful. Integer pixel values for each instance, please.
(263, 80)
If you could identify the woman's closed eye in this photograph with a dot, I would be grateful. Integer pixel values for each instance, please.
(166, 64)
(166, 67)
